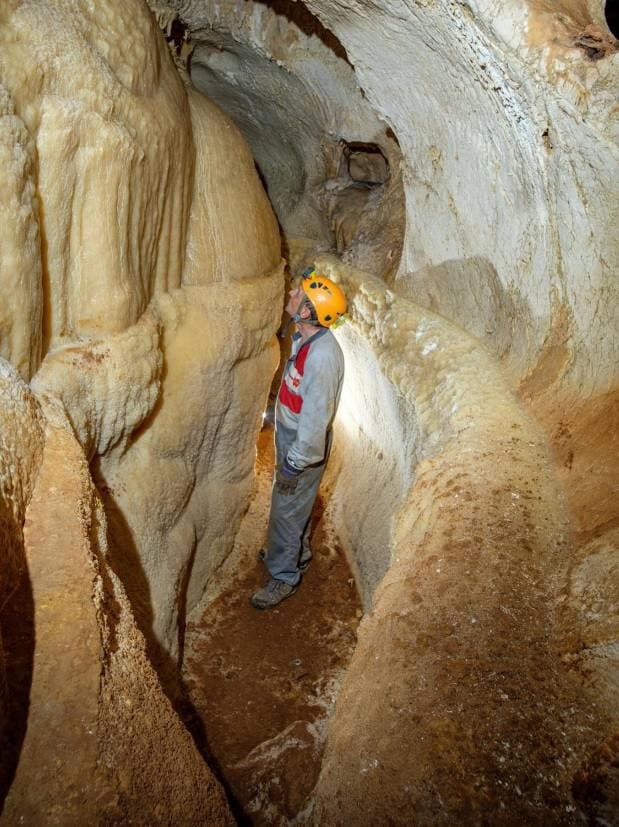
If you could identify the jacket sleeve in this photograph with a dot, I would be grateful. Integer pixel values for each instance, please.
(321, 383)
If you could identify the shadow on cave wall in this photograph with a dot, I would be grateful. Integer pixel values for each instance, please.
(297, 13)
(16, 661)
(469, 292)
(124, 560)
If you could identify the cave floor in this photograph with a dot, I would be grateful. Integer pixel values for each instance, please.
(263, 684)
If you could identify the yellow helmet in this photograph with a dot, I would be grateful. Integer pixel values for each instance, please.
(327, 298)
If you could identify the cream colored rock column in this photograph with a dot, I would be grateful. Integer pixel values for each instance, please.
(177, 490)
(106, 124)
(21, 280)
(457, 702)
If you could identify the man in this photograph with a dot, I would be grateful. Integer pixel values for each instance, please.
(306, 404)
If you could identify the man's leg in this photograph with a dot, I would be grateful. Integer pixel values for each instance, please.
(306, 555)
(306, 550)
(288, 521)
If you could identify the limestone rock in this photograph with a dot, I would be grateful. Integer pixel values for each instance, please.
(21, 278)
(288, 84)
(175, 495)
(155, 382)
(233, 233)
(141, 286)
(106, 387)
(21, 447)
(457, 701)
(103, 744)
(111, 131)
(506, 133)
(125, 128)
(370, 168)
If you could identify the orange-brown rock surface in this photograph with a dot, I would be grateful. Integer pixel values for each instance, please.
(102, 743)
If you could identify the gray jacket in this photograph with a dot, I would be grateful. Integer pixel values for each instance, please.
(309, 395)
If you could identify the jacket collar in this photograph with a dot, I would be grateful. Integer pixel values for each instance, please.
(320, 332)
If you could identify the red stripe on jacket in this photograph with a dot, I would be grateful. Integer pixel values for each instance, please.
(287, 396)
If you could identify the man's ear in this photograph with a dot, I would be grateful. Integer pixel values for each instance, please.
(305, 311)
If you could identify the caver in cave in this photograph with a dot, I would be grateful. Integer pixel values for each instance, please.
(304, 413)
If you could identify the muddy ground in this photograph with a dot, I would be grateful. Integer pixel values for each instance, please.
(263, 684)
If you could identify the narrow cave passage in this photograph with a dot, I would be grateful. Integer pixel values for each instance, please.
(263, 684)
(448, 165)
(331, 166)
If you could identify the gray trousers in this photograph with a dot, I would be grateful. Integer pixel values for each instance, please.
(289, 521)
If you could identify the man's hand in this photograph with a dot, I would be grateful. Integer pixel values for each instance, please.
(285, 481)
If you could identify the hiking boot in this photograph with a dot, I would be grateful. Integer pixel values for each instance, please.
(273, 593)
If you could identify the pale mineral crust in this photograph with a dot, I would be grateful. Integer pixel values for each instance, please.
(461, 702)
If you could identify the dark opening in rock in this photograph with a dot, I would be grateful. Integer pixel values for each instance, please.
(176, 34)
(611, 10)
(366, 163)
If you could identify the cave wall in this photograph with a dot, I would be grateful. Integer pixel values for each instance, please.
(149, 290)
(20, 258)
(220, 246)
(288, 84)
(508, 134)
(523, 133)
(21, 449)
(464, 695)
(93, 738)
(110, 130)
(507, 131)
(502, 134)
(132, 173)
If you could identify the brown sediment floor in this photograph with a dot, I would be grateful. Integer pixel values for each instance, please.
(263, 684)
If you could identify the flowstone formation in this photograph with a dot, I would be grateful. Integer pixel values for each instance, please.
(460, 700)
(451, 165)
(144, 321)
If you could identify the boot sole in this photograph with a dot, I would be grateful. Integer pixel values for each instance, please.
(270, 605)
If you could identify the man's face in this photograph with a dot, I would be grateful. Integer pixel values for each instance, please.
(295, 298)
